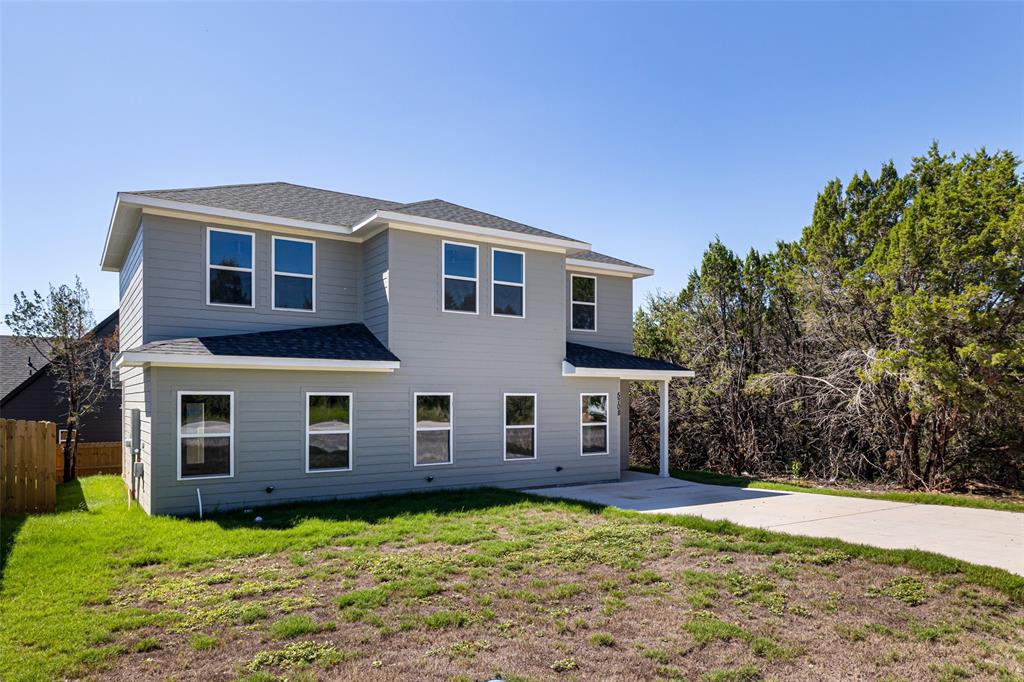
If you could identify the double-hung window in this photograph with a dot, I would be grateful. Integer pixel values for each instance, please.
(229, 267)
(433, 437)
(294, 272)
(520, 426)
(508, 274)
(205, 434)
(584, 303)
(328, 432)
(460, 277)
(593, 423)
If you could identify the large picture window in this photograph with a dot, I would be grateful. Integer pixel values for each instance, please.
(593, 423)
(460, 277)
(433, 437)
(520, 426)
(328, 432)
(584, 303)
(205, 434)
(294, 272)
(229, 266)
(508, 275)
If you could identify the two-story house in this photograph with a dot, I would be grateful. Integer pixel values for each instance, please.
(284, 343)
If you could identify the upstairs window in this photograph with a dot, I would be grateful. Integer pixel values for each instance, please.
(520, 426)
(230, 255)
(508, 281)
(593, 424)
(460, 277)
(584, 303)
(294, 267)
(433, 438)
(328, 432)
(205, 434)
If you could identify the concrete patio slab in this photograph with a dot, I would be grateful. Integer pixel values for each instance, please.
(981, 536)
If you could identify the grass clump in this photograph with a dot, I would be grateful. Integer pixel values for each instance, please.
(905, 588)
(564, 665)
(298, 654)
(146, 644)
(201, 641)
(745, 673)
(439, 620)
(294, 626)
(602, 639)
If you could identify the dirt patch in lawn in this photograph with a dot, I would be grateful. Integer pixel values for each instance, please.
(555, 595)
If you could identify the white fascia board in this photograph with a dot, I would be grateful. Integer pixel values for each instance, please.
(143, 358)
(489, 234)
(570, 370)
(595, 267)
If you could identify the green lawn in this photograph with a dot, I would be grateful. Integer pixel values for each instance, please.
(945, 499)
(466, 585)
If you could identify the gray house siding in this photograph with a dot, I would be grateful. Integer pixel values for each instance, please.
(175, 284)
(614, 314)
(130, 287)
(137, 392)
(376, 286)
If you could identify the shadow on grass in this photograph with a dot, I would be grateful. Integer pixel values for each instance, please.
(70, 497)
(9, 527)
(385, 507)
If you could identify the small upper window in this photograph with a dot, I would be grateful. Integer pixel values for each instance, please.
(520, 426)
(460, 277)
(433, 437)
(328, 432)
(508, 279)
(294, 274)
(594, 424)
(584, 303)
(205, 434)
(230, 256)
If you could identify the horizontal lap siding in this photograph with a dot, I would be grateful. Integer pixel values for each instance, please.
(130, 333)
(137, 392)
(175, 296)
(477, 357)
(614, 314)
(375, 295)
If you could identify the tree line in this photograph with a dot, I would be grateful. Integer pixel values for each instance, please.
(885, 344)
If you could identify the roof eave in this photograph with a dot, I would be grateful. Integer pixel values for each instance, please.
(596, 267)
(143, 359)
(571, 370)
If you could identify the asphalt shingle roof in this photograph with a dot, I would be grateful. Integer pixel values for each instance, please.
(14, 363)
(335, 342)
(280, 199)
(438, 209)
(595, 257)
(578, 355)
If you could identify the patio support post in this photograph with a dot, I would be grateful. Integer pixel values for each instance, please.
(663, 443)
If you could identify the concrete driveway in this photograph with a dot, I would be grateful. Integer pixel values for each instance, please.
(981, 536)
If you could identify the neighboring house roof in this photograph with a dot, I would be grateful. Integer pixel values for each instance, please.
(104, 328)
(335, 342)
(590, 361)
(14, 359)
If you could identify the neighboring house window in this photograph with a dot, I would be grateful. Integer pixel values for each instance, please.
(520, 426)
(593, 423)
(328, 432)
(230, 255)
(294, 272)
(62, 435)
(584, 303)
(433, 442)
(205, 434)
(460, 277)
(508, 273)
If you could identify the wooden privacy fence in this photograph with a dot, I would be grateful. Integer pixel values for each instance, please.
(92, 458)
(28, 482)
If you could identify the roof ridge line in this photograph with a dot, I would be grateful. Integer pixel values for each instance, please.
(237, 184)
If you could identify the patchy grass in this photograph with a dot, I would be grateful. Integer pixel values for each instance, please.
(945, 499)
(476, 584)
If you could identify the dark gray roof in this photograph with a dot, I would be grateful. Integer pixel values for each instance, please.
(578, 355)
(335, 342)
(595, 257)
(439, 209)
(280, 199)
(14, 363)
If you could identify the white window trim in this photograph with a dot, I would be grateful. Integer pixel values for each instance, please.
(251, 271)
(351, 432)
(450, 429)
(606, 425)
(474, 280)
(495, 282)
(231, 435)
(506, 427)
(274, 273)
(573, 302)
(61, 435)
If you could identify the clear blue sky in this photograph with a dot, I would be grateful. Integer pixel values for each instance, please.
(646, 129)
